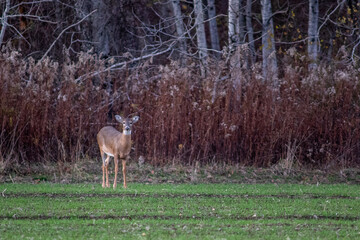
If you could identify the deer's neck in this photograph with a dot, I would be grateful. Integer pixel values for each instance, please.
(125, 144)
(125, 136)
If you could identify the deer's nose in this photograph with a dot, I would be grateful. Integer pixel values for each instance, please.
(127, 128)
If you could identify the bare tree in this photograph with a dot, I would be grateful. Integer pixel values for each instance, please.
(269, 63)
(17, 11)
(313, 40)
(241, 26)
(233, 23)
(4, 21)
(214, 34)
(200, 35)
(99, 25)
(250, 31)
(62, 32)
(179, 29)
(236, 23)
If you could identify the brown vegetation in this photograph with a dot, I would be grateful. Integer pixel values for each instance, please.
(51, 112)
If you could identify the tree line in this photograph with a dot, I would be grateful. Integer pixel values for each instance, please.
(179, 30)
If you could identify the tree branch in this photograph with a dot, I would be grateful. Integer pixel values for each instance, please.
(33, 17)
(63, 31)
(121, 64)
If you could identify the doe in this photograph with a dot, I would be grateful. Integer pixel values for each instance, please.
(113, 143)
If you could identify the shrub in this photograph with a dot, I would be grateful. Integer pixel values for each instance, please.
(53, 111)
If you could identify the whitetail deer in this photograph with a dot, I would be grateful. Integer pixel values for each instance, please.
(113, 143)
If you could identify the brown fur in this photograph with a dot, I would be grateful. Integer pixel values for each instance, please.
(118, 144)
(114, 141)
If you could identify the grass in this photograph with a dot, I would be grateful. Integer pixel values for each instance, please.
(89, 171)
(163, 211)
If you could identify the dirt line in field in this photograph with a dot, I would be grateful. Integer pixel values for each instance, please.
(176, 217)
(169, 195)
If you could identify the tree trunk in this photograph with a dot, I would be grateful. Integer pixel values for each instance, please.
(4, 22)
(241, 26)
(179, 30)
(233, 23)
(96, 31)
(113, 29)
(250, 32)
(313, 40)
(200, 35)
(100, 28)
(214, 34)
(269, 66)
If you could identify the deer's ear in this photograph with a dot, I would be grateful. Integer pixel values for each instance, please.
(118, 118)
(135, 119)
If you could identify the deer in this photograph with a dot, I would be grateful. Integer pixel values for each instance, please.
(113, 143)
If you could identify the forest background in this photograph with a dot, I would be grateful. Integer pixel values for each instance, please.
(253, 83)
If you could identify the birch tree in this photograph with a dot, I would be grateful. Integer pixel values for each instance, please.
(4, 21)
(179, 29)
(313, 39)
(236, 23)
(269, 63)
(233, 22)
(214, 34)
(200, 35)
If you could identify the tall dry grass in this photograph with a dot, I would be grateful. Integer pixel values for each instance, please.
(48, 113)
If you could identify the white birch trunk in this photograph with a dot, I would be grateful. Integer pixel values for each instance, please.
(200, 35)
(269, 66)
(233, 23)
(313, 38)
(4, 22)
(179, 30)
(214, 34)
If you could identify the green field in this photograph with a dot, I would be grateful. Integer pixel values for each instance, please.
(182, 211)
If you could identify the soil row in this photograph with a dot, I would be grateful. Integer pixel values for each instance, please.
(201, 195)
(180, 217)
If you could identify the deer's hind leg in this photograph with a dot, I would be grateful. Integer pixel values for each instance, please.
(124, 171)
(116, 161)
(105, 167)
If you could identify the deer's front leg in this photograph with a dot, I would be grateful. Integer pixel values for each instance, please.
(116, 170)
(103, 182)
(103, 167)
(124, 171)
(107, 171)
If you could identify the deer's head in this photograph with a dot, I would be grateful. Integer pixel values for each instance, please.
(126, 123)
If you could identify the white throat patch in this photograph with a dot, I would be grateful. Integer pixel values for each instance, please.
(127, 132)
